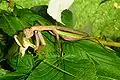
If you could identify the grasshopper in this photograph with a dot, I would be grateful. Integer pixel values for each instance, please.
(66, 33)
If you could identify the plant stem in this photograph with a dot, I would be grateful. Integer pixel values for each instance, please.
(110, 43)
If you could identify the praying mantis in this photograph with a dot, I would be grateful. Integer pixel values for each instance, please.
(58, 31)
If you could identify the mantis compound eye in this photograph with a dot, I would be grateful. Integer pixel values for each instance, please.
(28, 33)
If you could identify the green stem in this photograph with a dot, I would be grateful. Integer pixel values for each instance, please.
(110, 43)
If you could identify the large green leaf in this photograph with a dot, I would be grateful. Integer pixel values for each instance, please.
(107, 63)
(23, 64)
(70, 69)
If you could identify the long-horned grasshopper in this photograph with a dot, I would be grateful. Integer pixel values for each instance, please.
(66, 33)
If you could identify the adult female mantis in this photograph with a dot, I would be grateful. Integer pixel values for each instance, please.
(66, 33)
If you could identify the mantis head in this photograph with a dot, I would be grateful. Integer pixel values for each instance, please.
(28, 33)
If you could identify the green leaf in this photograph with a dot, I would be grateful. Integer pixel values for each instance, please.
(23, 64)
(67, 18)
(69, 69)
(29, 18)
(10, 24)
(106, 62)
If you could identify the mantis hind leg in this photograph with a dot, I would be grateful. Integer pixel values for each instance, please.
(59, 43)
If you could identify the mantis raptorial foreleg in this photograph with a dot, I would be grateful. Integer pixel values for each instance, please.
(39, 38)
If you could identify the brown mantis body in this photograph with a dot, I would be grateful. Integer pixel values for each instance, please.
(66, 33)
(57, 31)
(29, 32)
